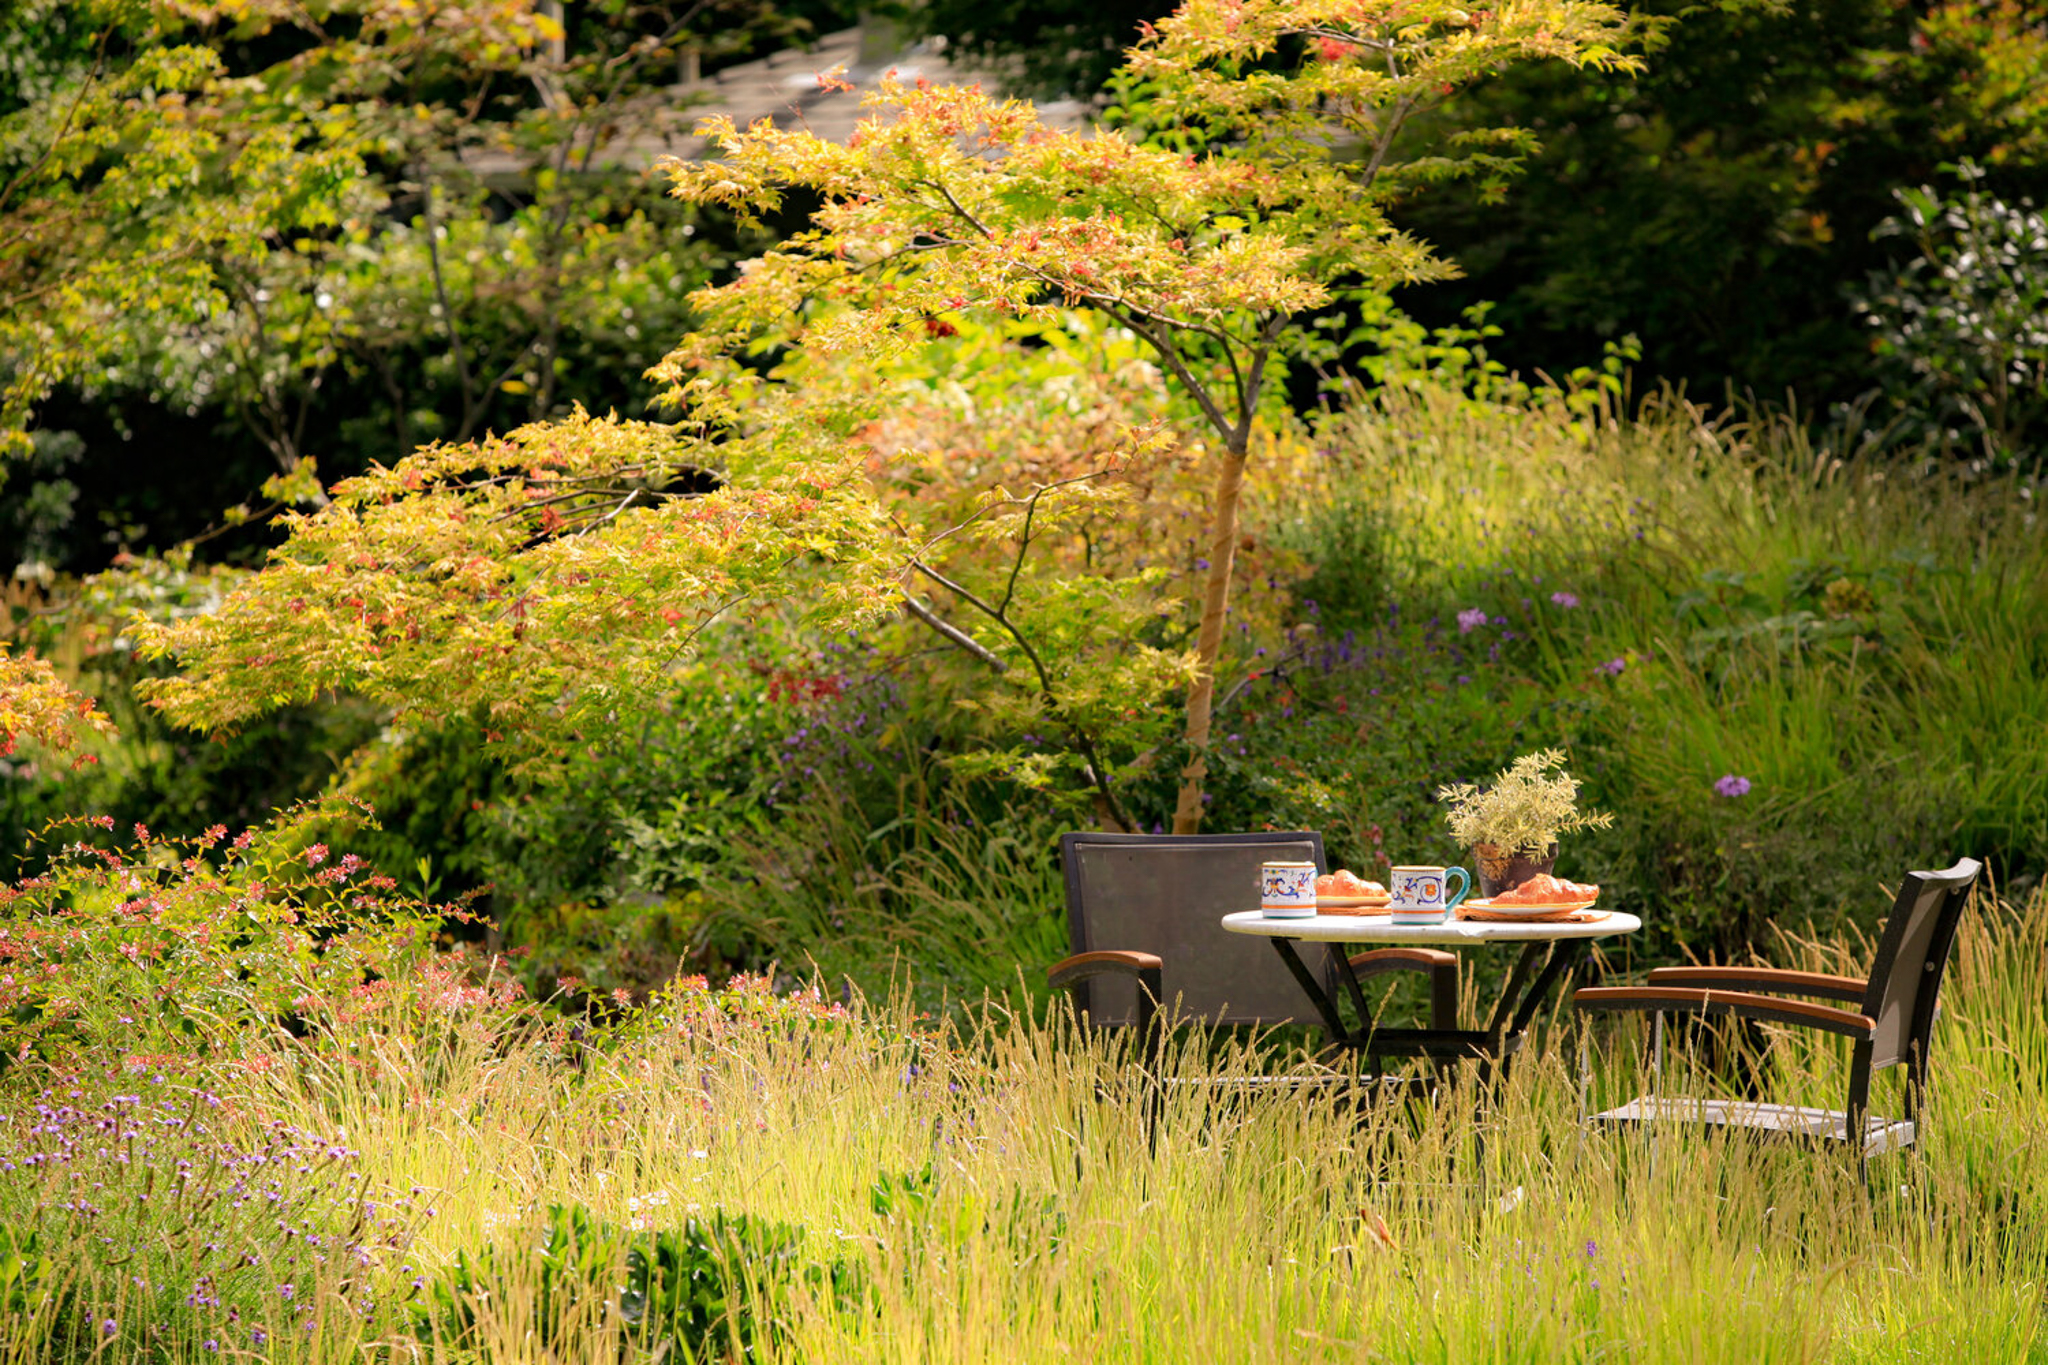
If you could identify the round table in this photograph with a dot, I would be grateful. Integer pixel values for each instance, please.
(1550, 952)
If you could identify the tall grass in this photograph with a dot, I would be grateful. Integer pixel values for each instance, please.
(920, 890)
(996, 1185)
(1857, 637)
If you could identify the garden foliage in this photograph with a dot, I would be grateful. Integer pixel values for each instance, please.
(703, 1289)
(1961, 331)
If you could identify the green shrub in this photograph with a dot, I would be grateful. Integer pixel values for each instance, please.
(712, 1287)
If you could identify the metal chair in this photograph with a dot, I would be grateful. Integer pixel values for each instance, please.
(1144, 914)
(1892, 1023)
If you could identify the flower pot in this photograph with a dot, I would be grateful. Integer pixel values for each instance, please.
(1500, 872)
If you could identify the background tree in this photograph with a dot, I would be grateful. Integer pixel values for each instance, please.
(1730, 242)
(272, 232)
(1961, 332)
(1726, 243)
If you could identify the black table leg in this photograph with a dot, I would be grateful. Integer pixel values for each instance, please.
(1340, 962)
(1564, 960)
(1516, 1014)
(1511, 993)
(1544, 963)
(1320, 998)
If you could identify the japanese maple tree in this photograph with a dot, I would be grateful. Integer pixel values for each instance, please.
(545, 579)
(948, 199)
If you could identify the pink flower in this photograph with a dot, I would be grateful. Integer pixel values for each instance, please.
(1469, 621)
(1732, 786)
(316, 855)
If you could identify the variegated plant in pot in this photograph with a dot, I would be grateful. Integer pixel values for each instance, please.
(1512, 823)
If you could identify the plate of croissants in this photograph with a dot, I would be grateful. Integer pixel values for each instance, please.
(1345, 892)
(1542, 894)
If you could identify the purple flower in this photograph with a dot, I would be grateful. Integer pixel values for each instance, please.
(1732, 786)
(1612, 668)
(1565, 600)
(1469, 621)
(109, 1327)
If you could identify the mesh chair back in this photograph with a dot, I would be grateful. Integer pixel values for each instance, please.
(1905, 978)
(1166, 894)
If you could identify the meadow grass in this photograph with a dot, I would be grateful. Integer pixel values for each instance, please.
(1856, 636)
(993, 1181)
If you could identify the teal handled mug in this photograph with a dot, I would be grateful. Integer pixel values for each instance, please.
(1422, 895)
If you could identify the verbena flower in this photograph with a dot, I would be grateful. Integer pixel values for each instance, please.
(1469, 621)
(1613, 667)
(1565, 600)
(1732, 786)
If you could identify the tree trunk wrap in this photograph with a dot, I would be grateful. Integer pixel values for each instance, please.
(1187, 813)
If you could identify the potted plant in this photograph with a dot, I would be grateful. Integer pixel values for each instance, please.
(1512, 824)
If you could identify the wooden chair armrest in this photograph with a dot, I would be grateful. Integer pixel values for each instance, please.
(1740, 1004)
(1767, 980)
(1376, 960)
(1108, 962)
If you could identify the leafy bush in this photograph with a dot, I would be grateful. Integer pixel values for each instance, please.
(712, 1287)
(1961, 331)
(181, 948)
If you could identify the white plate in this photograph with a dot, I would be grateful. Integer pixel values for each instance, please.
(1353, 902)
(1529, 911)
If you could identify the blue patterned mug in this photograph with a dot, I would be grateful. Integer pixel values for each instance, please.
(1287, 890)
(1421, 895)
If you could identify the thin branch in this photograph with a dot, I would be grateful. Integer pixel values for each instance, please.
(987, 508)
(1023, 548)
(1082, 740)
(1401, 109)
(965, 595)
(1171, 355)
(953, 633)
(1248, 393)
(1338, 35)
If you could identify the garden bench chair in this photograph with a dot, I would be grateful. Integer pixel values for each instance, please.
(1145, 912)
(1890, 1021)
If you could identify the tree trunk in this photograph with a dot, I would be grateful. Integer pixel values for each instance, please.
(1187, 813)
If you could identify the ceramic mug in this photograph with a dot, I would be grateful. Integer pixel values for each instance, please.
(1421, 895)
(1287, 890)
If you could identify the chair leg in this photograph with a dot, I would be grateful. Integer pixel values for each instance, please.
(1656, 1088)
(1585, 1084)
(1443, 995)
(1151, 1049)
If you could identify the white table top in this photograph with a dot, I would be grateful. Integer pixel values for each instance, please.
(1382, 929)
